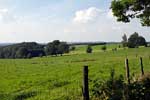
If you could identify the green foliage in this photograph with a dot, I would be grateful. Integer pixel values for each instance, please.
(135, 40)
(111, 89)
(117, 89)
(63, 48)
(140, 89)
(56, 47)
(125, 10)
(89, 49)
(21, 53)
(32, 49)
(72, 48)
(142, 41)
(22, 50)
(104, 48)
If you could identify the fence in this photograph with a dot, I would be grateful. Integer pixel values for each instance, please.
(86, 84)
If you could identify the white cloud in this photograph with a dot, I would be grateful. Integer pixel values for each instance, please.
(87, 15)
(104, 28)
(98, 25)
(7, 15)
(4, 10)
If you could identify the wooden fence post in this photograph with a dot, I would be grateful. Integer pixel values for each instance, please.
(127, 70)
(85, 83)
(141, 63)
(128, 78)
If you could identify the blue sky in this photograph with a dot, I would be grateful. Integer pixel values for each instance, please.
(66, 20)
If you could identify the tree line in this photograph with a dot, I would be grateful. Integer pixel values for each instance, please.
(33, 49)
(134, 41)
(56, 47)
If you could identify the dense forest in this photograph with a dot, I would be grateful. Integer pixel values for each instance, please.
(33, 49)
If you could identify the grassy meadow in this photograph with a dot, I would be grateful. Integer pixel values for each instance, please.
(60, 78)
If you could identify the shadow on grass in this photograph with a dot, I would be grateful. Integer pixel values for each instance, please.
(25, 95)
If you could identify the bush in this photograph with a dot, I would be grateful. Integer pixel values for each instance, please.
(116, 88)
(104, 48)
(72, 48)
(89, 49)
(112, 89)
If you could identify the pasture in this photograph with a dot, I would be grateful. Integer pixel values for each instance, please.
(60, 78)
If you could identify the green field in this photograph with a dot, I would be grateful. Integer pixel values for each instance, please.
(60, 78)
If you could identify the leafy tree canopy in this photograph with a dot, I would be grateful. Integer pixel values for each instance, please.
(56, 47)
(22, 50)
(135, 40)
(125, 10)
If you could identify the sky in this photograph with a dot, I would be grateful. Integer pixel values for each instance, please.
(66, 20)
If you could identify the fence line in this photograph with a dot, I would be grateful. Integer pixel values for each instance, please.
(85, 89)
(141, 63)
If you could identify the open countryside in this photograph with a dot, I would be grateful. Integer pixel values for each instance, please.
(60, 77)
(74, 49)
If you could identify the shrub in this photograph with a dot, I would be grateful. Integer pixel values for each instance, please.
(72, 48)
(104, 48)
(117, 89)
(89, 49)
(112, 89)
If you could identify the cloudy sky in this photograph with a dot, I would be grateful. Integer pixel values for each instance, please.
(66, 20)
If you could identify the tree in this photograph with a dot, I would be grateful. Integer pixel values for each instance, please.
(36, 53)
(135, 40)
(125, 10)
(56, 47)
(63, 47)
(21, 53)
(142, 41)
(104, 48)
(21, 50)
(89, 49)
(51, 49)
(56, 42)
(124, 40)
(29, 55)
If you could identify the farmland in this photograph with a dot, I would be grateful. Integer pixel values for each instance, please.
(60, 78)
